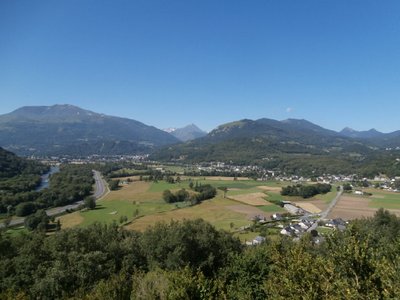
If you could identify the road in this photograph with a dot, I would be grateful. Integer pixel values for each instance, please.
(100, 189)
(326, 212)
(100, 185)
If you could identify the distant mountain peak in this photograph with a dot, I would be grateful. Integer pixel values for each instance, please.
(189, 132)
(349, 132)
(347, 129)
(54, 111)
(192, 127)
(65, 127)
(374, 130)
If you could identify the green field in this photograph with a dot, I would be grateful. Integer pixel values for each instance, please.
(388, 200)
(142, 204)
(271, 208)
(110, 211)
(329, 196)
(324, 230)
(216, 211)
(14, 231)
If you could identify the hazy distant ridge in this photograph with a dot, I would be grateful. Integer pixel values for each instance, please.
(188, 133)
(67, 129)
(60, 128)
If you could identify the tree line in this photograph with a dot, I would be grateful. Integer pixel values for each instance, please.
(306, 191)
(203, 192)
(192, 260)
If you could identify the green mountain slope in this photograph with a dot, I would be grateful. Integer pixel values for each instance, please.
(62, 128)
(293, 146)
(248, 140)
(11, 165)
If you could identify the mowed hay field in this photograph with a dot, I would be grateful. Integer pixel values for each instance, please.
(129, 201)
(216, 211)
(255, 199)
(351, 206)
(221, 212)
(142, 204)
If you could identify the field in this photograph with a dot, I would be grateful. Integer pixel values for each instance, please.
(255, 199)
(142, 205)
(310, 207)
(138, 205)
(216, 211)
(351, 206)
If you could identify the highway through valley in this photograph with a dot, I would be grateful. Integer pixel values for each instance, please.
(100, 189)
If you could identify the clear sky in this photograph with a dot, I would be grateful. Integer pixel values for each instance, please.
(170, 63)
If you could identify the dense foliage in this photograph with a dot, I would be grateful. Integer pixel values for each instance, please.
(75, 261)
(306, 191)
(73, 183)
(39, 220)
(203, 192)
(113, 184)
(192, 260)
(12, 165)
(179, 196)
(18, 179)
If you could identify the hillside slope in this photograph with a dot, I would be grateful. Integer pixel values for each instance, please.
(62, 128)
(293, 146)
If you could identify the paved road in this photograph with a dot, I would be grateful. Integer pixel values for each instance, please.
(326, 212)
(100, 189)
(100, 185)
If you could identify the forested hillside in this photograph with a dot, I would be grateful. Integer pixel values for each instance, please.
(293, 146)
(70, 130)
(11, 165)
(192, 260)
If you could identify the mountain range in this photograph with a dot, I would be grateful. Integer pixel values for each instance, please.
(67, 129)
(292, 146)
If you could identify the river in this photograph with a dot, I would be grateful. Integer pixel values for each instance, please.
(45, 178)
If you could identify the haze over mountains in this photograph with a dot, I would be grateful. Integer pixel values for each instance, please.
(187, 133)
(67, 129)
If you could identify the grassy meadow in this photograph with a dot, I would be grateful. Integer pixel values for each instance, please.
(138, 205)
(142, 205)
(388, 200)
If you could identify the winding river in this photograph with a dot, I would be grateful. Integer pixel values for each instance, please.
(45, 178)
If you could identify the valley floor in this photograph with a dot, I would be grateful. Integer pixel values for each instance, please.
(139, 204)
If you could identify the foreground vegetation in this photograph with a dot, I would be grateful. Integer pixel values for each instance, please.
(193, 260)
(18, 179)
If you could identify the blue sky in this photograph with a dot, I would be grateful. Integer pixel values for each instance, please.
(171, 63)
